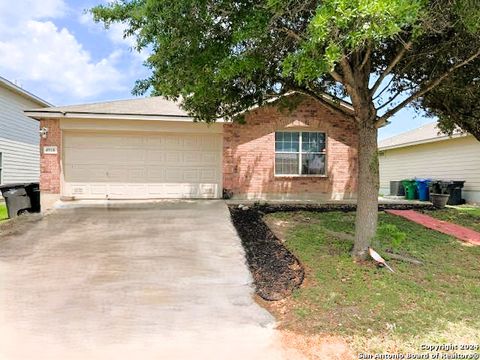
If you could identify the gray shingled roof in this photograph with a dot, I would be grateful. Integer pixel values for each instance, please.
(144, 106)
(426, 133)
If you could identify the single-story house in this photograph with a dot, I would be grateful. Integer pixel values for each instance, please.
(426, 153)
(150, 148)
(19, 140)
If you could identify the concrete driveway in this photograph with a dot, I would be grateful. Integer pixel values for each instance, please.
(147, 281)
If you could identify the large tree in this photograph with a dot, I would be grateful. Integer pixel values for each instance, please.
(221, 57)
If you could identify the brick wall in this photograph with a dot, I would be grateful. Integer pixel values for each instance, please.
(50, 164)
(249, 154)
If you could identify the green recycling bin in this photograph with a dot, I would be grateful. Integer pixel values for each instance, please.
(410, 189)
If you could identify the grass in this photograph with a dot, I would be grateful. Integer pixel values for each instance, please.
(464, 215)
(3, 212)
(372, 308)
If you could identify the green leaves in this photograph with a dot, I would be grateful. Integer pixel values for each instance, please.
(223, 56)
(341, 27)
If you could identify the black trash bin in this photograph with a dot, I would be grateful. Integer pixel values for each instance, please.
(21, 197)
(33, 192)
(396, 188)
(17, 200)
(451, 187)
(454, 188)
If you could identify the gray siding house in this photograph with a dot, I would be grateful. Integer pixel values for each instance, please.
(19, 135)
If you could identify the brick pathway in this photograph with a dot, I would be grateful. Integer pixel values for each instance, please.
(460, 232)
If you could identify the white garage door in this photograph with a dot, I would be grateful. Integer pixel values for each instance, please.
(140, 166)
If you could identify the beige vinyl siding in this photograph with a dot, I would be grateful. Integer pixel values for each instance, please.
(19, 139)
(456, 159)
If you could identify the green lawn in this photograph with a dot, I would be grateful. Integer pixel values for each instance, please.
(3, 212)
(374, 309)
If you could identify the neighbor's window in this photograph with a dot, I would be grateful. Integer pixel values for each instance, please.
(299, 153)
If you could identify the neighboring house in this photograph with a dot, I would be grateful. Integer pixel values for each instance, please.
(19, 138)
(150, 148)
(426, 153)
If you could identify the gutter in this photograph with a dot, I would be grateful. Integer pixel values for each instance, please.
(45, 114)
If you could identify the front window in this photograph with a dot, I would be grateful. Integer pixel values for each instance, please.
(300, 153)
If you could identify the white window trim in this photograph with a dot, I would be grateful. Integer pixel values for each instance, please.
(300, 154)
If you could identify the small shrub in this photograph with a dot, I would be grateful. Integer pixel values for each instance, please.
(389, 235)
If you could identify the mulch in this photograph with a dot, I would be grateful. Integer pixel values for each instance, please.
(275, 270)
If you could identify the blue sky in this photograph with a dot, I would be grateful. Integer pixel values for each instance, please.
(53, 49)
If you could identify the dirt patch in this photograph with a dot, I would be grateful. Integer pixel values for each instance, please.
(314, 347)
(275, 270)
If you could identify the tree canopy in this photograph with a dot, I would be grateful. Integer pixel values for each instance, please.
(456, 103)
(221, 57)
(224, 56)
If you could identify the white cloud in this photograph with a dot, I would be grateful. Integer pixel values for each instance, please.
(17, 11)
(115, 34)
(40, 51)
(53, 63)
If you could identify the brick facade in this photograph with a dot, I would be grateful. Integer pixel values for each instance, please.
(50, 164)
(249, 154)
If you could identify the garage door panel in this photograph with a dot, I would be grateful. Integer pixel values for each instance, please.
(192, 157)
(174, 174)
(98, 190)
(155, 174)
(84, 173)
(155, 156)
(173, 157)
(137, 175)
(115, 165)
(191, 175)
(208, 175)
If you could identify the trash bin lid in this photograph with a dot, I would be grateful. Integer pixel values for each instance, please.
(13, 186)
(15, 192)
(423, 180)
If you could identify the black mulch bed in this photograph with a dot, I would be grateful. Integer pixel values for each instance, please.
(267, 208)
(276, 271)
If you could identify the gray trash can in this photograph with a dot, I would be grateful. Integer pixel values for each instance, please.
(17, 201)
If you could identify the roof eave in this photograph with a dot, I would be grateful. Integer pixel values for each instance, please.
(24, 93)
(106, 116)
(420, 142)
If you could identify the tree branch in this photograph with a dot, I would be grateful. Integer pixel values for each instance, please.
(383, 90)
(389, 101)
(336, 76)
(367, 56)
(348, 78)
(399, 92)
(430, 85)
(291, 33)
(390, 67)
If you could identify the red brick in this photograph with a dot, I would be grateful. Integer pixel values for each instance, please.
(50, 164)
(249, 152)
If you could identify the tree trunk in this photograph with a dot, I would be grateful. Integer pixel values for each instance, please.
(368, 187)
